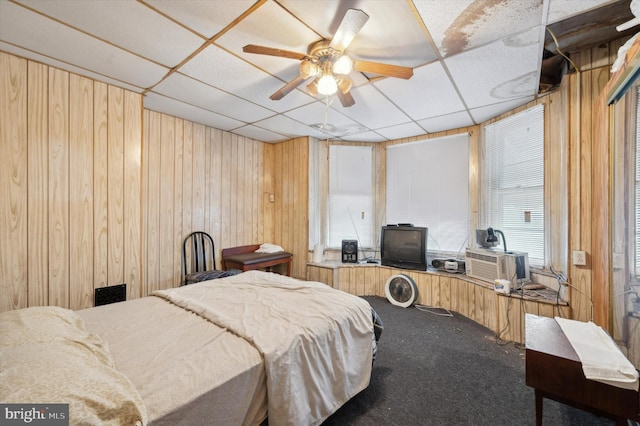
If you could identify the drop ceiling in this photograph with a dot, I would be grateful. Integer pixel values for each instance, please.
(472, 59)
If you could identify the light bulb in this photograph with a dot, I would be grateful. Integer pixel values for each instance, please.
(327, 85)
(343, 65)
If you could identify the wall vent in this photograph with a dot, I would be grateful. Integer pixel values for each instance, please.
(111, 294)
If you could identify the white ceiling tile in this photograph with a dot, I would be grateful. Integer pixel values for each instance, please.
(43, 36)
(66, 67)
(517, 60)
(221, 69)
(127, 24)
(286, 126)
(364, 137)
(490, 111)
(259, 134)
(206, 97)
(328, 121)
(205, 17)
(319, 113)
(563, 9)
(460, 25)
(446, 122)
(427, 94)
(398, 41)
(401, 131)
(271, 26)
(157, 102)
(371, 109)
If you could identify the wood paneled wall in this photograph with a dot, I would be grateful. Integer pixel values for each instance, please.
(589, 227)
(290, 188)
(198, 178)
(96, 192)
(502, 314)
(70, 182)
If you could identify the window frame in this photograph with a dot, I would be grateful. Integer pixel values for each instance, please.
(434, 183)
(351, 218)
(555, 234)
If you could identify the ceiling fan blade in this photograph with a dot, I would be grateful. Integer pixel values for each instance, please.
(351, 24)
(383, 69)
(345, 99)
(284, 90)
(262, 50)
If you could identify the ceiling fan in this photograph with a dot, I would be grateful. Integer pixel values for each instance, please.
(327, 64)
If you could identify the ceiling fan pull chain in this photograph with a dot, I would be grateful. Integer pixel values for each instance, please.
(326, 111)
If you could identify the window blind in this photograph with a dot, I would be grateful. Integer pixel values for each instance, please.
(428, 185)
(350, 195)
(514, 181)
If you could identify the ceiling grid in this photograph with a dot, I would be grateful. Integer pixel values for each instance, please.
(471, 59)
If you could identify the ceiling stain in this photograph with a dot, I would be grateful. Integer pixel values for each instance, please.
(459, 34)
(515, 88)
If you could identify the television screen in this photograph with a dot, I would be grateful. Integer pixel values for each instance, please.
(404, 247)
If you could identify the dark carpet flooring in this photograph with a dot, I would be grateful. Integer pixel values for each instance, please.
(441, 370)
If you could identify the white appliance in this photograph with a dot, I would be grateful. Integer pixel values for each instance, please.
(491, 265)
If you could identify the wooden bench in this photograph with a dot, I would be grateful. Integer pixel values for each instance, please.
(245, 258)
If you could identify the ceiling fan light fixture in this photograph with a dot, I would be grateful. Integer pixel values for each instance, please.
(312, 88)
(308, 69)
(343, 65)
(327, 85)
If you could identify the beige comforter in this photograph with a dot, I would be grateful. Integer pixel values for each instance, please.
(187, 370)
(47, 356)
(316, 341)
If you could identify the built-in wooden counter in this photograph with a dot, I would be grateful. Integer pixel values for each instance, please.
(475, 299)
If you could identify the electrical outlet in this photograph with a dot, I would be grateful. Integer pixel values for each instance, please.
(579, 258)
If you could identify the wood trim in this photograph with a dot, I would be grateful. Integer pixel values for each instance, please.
(502, 314)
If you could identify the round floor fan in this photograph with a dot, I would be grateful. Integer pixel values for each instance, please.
(401, 290)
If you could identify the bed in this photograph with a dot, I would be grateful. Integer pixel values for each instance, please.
(231, 351)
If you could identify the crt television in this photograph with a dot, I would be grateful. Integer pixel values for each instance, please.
(404, 247)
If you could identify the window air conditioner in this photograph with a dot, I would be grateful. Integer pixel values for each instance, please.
(489, 265)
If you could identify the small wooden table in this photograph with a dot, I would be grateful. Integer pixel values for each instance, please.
(245, 258)
(554, 370)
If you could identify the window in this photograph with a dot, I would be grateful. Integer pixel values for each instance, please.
(428, 185)
(514, 182)
(351, 196)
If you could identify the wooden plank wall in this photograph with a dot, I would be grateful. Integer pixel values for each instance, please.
(96, 192)
(589, 183)
(70, 182)
(502, 314)
(197, 178)
(290, 188)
